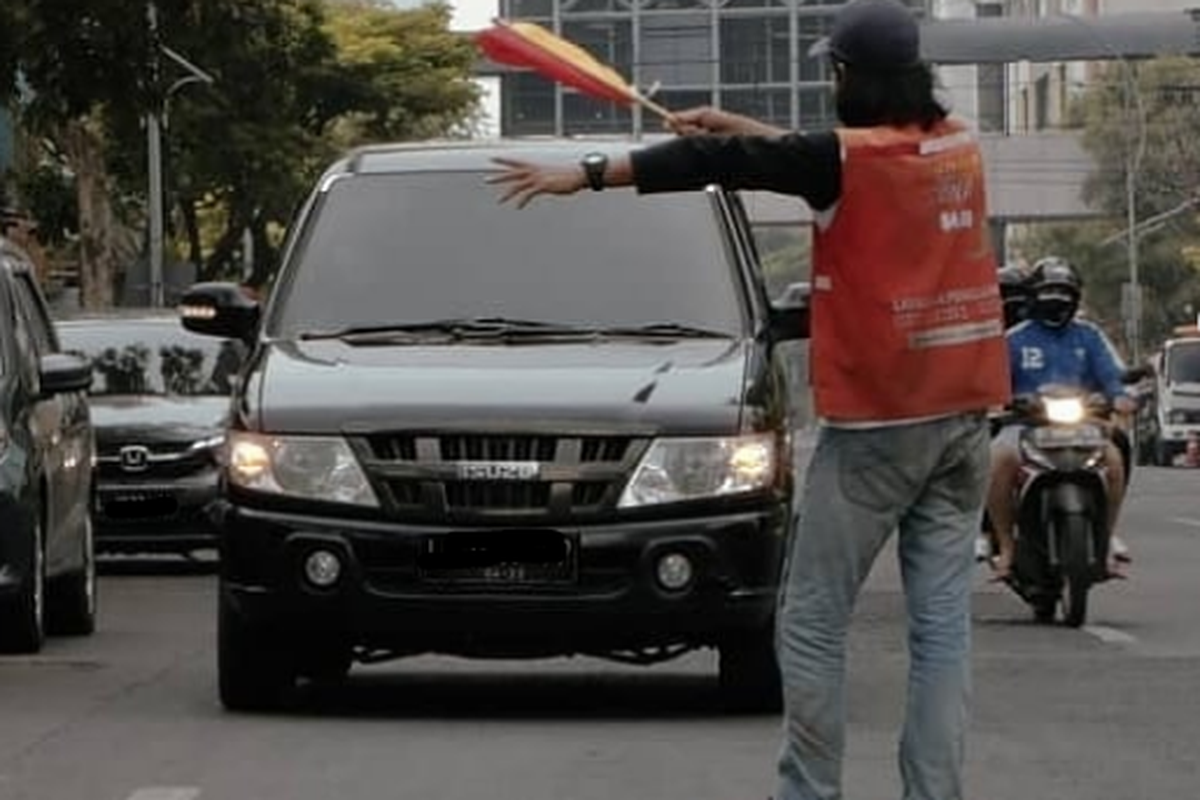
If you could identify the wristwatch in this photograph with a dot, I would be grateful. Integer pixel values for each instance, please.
(594, 167)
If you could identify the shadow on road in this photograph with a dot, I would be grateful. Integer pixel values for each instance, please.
(156, 566)
(533, 697)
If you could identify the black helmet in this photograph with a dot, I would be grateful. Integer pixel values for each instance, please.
(1057, 290)
(1015, 293)
(873, 34)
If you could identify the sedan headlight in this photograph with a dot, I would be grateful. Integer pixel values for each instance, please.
(319, 468)
(674, 470)
(1064, 410)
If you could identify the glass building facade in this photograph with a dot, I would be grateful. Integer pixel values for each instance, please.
(747, 56)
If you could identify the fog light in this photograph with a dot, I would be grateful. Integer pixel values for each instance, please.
(322, 568)
(675, 571)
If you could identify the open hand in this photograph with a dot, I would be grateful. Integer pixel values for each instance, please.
(526, 181)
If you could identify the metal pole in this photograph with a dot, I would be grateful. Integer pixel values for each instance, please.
(154, 154)
(154, 146)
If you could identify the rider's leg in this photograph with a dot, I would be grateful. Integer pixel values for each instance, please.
(1116, 496)
(1005, 471)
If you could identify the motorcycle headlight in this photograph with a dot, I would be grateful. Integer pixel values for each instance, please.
(675, 470)
(1064, 410)
(319, 468)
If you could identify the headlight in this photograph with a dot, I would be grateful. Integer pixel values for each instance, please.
(320, 468)
(1064, 410)
(1177, 417)
(690, 469)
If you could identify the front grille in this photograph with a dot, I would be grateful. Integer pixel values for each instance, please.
(418, 474)
(166, 460)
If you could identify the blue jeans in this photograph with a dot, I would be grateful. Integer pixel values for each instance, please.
(926, 480)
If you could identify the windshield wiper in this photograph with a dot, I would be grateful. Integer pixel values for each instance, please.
(670, 330)
(456, 327)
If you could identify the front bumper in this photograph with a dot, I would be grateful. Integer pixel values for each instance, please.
(150, 516)
(613, 601)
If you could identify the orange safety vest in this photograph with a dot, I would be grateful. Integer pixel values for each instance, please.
(906, 314)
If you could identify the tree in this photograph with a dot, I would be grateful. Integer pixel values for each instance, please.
(296, 81)
(1108, 113)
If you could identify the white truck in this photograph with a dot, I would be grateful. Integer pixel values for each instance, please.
(1172, 416)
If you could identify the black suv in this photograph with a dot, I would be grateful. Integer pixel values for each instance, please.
(47, 567)
(473, 430)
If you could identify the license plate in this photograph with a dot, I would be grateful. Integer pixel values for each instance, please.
(499, 557)
(1050, 436)
(138, 505)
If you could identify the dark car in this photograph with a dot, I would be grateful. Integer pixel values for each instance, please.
(160, 404)
(47, 566)
(473, 430)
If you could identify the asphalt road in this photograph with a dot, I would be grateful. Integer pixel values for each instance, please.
(1111, 712)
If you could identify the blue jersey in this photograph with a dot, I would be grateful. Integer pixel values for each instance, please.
(1078, 354)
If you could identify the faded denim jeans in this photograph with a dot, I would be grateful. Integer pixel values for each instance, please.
(927, 481)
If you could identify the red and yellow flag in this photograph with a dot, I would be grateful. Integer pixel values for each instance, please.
(525, 44)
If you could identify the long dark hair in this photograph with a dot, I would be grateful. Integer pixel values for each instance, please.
(900, 98)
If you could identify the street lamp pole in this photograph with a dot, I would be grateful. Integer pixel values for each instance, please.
(154, 125)
(154, 154)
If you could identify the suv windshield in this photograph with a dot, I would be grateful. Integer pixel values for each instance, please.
(414, 247)
(139, 357)
(1183, 363)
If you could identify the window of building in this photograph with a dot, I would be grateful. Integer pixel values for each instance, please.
(755, 49)
(584, 115)
(528, 106)
(677, 49)
(527, 9)
(773, 106)
(811, 29)
(817, 108)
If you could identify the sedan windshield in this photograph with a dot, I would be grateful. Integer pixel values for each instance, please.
(420, 247)
(152, 357)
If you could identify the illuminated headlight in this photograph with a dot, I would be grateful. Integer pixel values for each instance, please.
(674, 470)
(319, 468)
(1064, 410)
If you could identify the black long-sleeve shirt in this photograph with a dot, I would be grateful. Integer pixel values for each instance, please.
(807, 165)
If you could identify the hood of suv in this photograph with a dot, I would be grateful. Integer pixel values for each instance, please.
(677, 386)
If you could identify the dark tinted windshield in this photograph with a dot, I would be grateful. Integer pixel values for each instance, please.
(140, 357)
(413, 247)
(1183, 363)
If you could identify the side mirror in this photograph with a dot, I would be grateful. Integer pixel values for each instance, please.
(790, 313)
(62, 373)
(224, 310)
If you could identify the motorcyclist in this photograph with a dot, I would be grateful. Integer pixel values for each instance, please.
(1016, 294)
(1053, 347)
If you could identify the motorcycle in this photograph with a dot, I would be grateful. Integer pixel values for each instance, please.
(1062, 500)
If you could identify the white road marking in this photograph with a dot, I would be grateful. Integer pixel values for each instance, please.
(166, 793)
(1191, 522)
(1110, 635)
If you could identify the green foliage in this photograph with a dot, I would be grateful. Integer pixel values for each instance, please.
(296, 82)
(1167, 175)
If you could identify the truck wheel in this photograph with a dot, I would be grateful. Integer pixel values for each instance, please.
(254, 672)
(749, 673)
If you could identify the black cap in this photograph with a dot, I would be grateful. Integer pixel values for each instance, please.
(876, 34)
